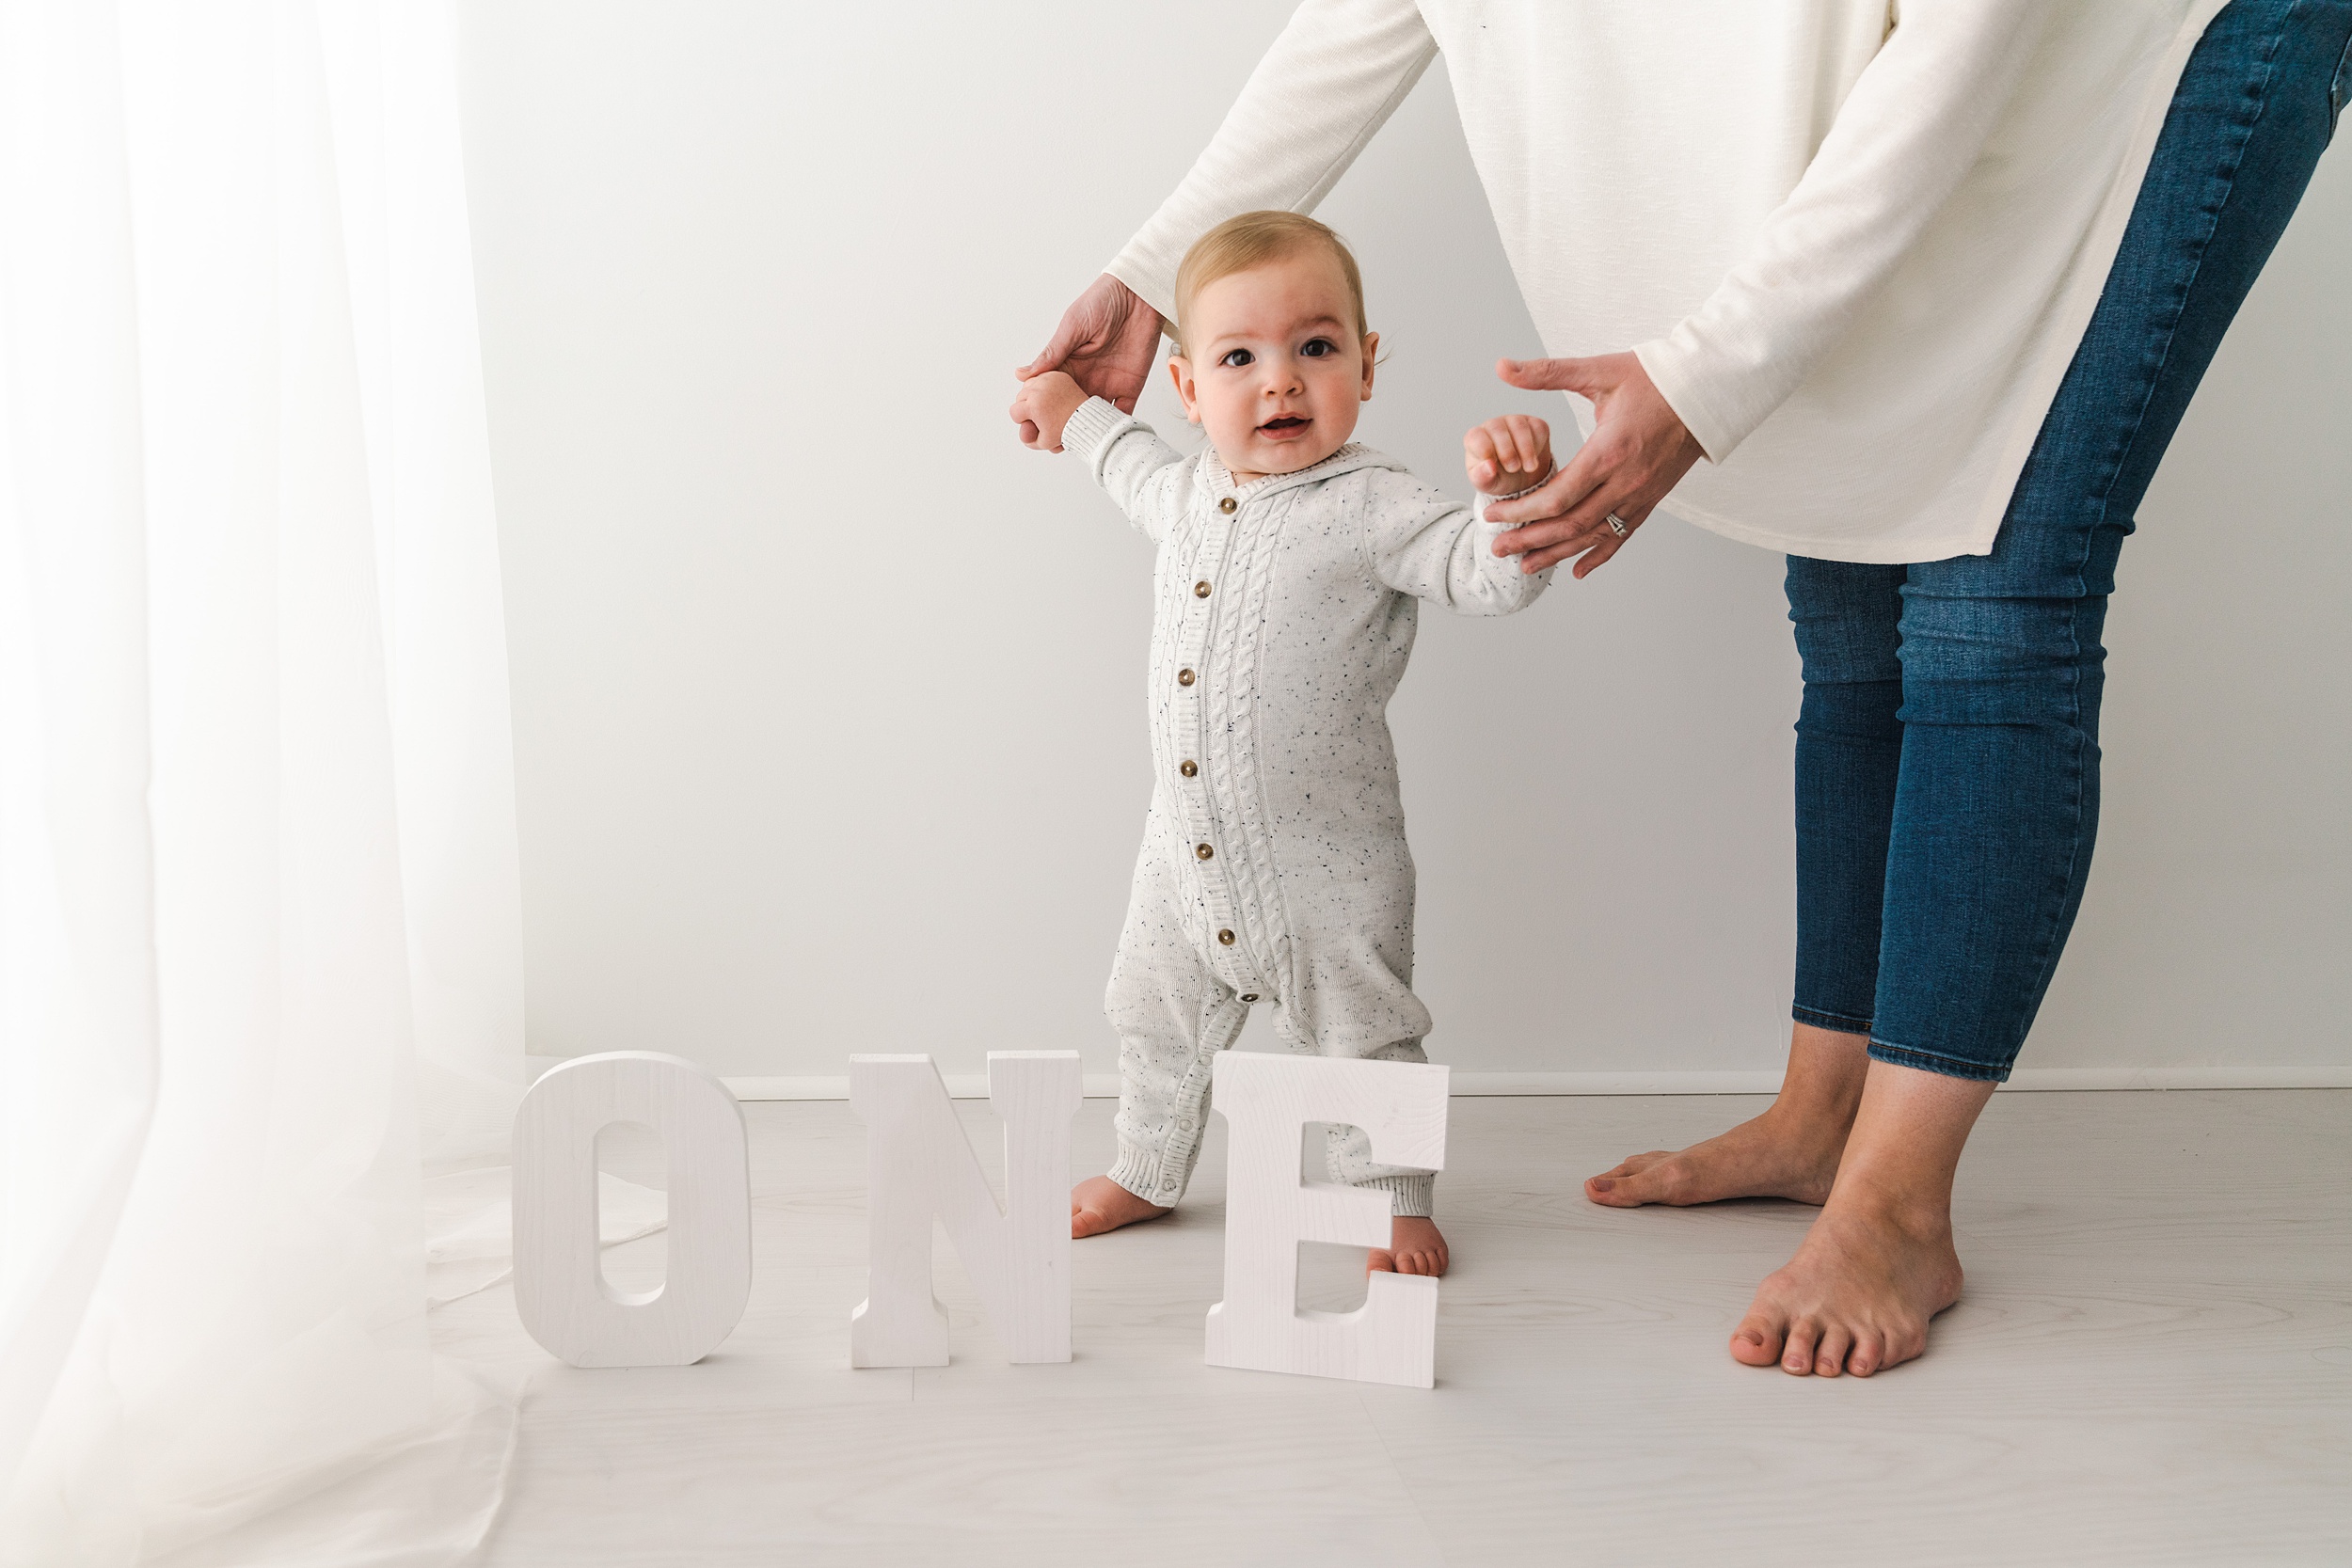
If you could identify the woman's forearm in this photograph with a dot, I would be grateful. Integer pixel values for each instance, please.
(1914, 125)
(1332, 78)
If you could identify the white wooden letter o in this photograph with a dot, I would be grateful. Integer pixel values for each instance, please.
(559, 1288)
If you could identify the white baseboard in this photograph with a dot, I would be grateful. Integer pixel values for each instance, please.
(1103, 1085)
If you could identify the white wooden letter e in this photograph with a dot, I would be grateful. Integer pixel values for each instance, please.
(559, 1288)
(1267, 1100)
(920, 1164)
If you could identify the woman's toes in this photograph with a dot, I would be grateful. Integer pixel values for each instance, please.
(1796, 1357)
(1624, 1189)
(1380, 1261)
(1829, 1357)
(1620, 1186)
(1863, 1358)
(1757, 1340)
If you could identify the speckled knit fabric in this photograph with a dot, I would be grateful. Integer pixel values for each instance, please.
(1274, 867)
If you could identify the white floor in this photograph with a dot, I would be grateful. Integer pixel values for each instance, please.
(2153, 1364)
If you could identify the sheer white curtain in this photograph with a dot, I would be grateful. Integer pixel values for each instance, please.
(260, 935)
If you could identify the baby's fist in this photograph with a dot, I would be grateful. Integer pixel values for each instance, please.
(1045, 403)
(1507, 454)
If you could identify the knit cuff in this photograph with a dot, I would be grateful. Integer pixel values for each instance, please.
(1413, 1194)
(1091, 427)
(1483, 500)
(1154, 1175)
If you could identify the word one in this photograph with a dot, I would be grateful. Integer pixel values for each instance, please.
(920, 1169)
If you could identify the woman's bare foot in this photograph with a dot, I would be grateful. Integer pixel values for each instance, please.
(1099, 1204)
(1879, 1262)
(1791, 1150)
(1414, 1248)
(1856, 1297)
(1771, 1156)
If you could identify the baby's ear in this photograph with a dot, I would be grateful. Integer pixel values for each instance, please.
(1180, 371)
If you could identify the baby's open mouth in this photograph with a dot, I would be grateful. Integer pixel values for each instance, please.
(1283, 425)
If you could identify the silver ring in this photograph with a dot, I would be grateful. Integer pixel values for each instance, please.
(1616, 525)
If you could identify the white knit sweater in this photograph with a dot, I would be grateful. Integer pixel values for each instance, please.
(1854, 242)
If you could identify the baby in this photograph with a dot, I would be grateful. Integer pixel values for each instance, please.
(1292, 563)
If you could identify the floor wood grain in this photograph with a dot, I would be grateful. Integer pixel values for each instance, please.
(2152, 1365)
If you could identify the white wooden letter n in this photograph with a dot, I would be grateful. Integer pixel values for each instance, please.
(1267, 1100)
(919, 1166)
(560, 1289)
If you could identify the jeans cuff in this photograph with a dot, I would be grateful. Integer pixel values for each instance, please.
(1842, 1024)
(1928, 1061)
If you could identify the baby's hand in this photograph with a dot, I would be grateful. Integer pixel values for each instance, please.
(1044, 405)
(1509, 453)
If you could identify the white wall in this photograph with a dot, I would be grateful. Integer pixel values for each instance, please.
(828, 696)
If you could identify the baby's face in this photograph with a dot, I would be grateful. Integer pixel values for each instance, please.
(1275, 370)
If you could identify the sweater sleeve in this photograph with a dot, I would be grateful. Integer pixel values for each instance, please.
(1143, 473)
(1908, 133)
(1331, 80)
(1423, 543)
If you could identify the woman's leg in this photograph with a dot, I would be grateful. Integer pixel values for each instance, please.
(1996, 804)
(1849, 748)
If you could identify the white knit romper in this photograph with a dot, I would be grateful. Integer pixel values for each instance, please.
(1274, 867)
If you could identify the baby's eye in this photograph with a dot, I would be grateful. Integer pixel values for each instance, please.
(1237, 357)
(1318, 348)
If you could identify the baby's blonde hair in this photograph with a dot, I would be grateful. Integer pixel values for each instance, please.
(1251, 240)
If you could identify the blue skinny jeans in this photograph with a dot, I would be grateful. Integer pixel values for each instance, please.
(1947, 749)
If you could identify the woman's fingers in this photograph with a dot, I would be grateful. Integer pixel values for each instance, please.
(1586, 535)
(1585, 377)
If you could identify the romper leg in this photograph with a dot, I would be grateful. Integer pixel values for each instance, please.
(1347, 1151)
(1173, 1015)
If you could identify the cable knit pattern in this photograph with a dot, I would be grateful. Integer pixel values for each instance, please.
(1274, 865)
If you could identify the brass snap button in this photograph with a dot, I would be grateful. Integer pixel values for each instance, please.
(1226, 937)
(1203, 851)
(1183, 677)
(1200, 590)
(1189, 769)
(1228, 505)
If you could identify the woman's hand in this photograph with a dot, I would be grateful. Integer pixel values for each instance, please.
(1106, 342)
(1638, 450)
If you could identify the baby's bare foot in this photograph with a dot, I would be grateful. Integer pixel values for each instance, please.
(1099, 1204)
(1857, 1296)
(1768, 1157)
(1414, 1248)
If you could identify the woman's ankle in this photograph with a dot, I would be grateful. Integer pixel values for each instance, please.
(1822, 1091)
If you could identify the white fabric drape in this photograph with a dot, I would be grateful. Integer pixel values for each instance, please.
(258, 871)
